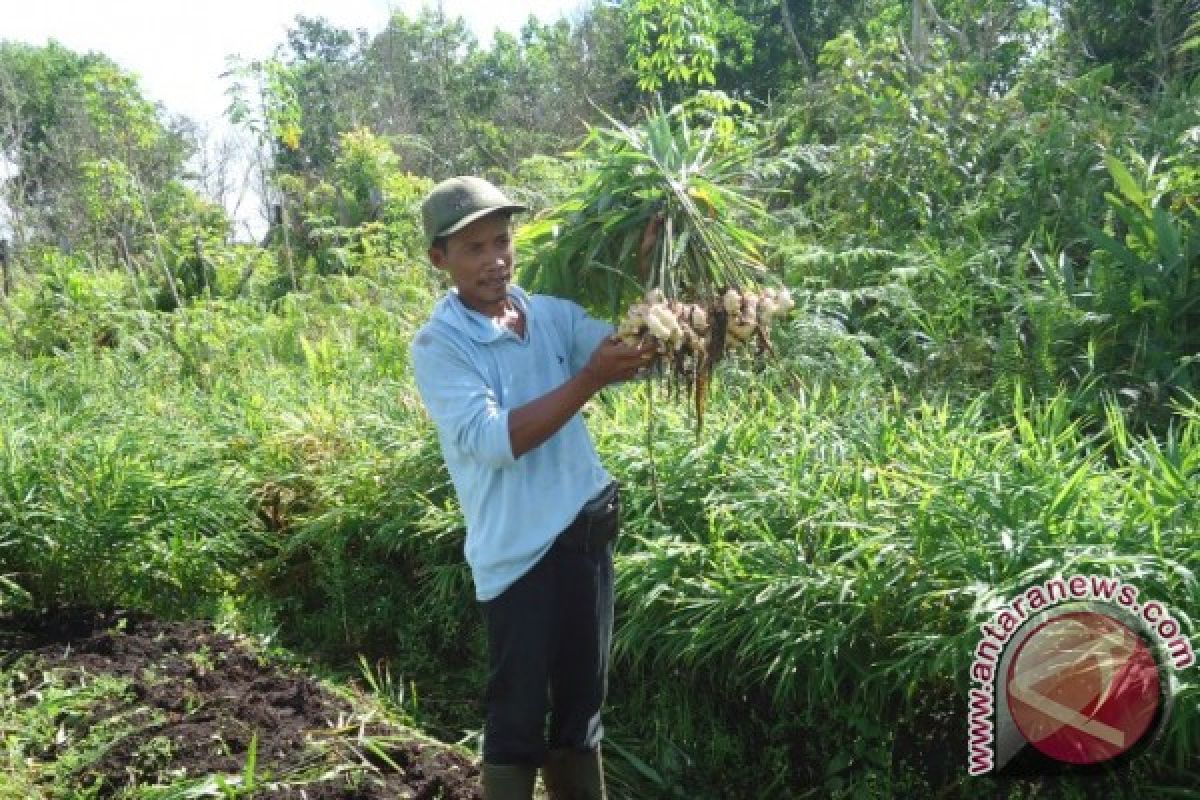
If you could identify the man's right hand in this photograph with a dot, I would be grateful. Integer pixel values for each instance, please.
(614, 361)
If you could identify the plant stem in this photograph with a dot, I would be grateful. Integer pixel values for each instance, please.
(650, 446)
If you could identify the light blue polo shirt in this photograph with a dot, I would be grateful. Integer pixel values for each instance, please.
(471, 372)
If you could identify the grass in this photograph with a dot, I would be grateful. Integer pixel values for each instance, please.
(839, 546)
(59, 723)
(44, 717)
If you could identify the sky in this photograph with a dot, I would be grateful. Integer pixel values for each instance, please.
(178, 47)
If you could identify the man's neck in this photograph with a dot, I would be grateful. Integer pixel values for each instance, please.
(511, 317)
(494, 310)
(505, 313)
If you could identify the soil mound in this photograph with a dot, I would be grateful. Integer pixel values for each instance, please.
(199, 702)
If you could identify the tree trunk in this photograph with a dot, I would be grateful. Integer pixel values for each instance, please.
(285, 223)
(791, 31)
(4, 265)
(1162, 49)
(920, 35)
(925, 17)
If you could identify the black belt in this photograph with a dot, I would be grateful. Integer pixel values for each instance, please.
(596, 523)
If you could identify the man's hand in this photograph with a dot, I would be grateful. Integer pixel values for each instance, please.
(614, 361)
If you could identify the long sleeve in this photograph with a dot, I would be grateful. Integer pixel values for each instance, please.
(586, 332)
(463, 406)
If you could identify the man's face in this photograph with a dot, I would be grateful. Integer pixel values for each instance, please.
(479, 259)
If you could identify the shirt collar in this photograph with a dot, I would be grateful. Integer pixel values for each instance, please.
(481, 328)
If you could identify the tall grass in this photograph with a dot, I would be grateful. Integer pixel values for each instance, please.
(842, 548)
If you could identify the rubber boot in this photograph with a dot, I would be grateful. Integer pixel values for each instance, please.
(508, 782)
(574, 775)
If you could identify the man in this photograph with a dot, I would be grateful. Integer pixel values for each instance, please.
(504, 375)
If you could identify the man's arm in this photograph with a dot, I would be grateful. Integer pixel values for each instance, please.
(538, 420)
(462, 405)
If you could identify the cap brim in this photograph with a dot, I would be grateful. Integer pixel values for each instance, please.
(469, 218)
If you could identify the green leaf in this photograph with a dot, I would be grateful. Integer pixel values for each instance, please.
(1170, 246)
(1110, 245)
(1125, 182)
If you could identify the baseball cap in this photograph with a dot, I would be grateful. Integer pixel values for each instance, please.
(457, 202)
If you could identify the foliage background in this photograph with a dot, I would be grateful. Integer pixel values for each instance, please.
(988, 210)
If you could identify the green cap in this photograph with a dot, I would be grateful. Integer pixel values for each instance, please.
(457, 202)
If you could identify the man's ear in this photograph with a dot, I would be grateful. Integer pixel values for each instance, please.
(437, 256)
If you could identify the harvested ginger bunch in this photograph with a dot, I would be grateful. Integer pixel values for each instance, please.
(692, 337)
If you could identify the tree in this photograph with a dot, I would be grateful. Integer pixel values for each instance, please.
(545, 85)
(1138, 37)
(453, 106)
(674, 44)
(326, 72)
(786, 36)
(428, 100)
(65, 114)
(446, 103)
(752, 48)
(14, 184)
(264, 102)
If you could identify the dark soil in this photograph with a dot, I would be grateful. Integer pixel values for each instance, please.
(209, 697)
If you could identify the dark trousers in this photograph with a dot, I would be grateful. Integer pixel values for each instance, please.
(549, 636)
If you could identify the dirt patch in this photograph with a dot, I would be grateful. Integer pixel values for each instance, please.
(207, 699)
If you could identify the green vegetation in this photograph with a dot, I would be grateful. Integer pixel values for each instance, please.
(988, 212)
(657, 209)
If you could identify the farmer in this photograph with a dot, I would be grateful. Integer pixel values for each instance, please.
(504, 374)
